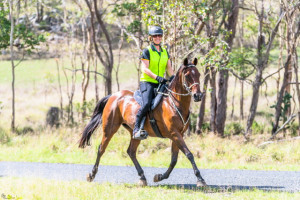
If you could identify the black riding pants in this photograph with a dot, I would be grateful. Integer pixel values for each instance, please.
(147, 90)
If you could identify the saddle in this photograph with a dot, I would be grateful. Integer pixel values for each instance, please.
(158, 92)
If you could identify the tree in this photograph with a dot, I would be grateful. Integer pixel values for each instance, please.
(262, 55)
(20, 36)
(105, 55)
(129, 17)
(230, 27)
(292, 34)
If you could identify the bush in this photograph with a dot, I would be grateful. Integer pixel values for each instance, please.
(233, 128)
(205, 127)
(24, 130)
(4, 138)
(193, 121)
(293, 128)
(257, 128)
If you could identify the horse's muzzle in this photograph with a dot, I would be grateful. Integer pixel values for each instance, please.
(197, 96)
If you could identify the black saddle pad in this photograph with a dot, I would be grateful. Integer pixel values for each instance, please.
(138, 96)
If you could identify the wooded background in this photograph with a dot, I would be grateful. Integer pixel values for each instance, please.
(233, 39)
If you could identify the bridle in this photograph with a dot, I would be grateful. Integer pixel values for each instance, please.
(186, 87)
(171, 97)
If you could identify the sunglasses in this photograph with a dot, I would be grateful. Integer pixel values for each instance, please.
(155, 36)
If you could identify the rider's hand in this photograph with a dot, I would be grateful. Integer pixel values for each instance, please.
(161, 79)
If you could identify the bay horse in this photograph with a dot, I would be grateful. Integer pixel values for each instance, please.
(171, 114)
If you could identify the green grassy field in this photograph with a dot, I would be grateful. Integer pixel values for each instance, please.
(61, 146)
(35, 189)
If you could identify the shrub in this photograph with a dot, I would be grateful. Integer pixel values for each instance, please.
(233, 128)
(193, 121)
(293, 128)
(4, 138)
(205, 126)
(24, 130)
(257, 128)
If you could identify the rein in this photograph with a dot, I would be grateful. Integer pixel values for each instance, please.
(171, 97)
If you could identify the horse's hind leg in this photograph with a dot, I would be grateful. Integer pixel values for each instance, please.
(160, 177)
(108, 132)
(132, 154)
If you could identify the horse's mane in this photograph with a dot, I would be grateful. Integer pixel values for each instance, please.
(177, 76)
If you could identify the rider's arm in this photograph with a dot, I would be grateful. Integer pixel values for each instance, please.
(145, 68)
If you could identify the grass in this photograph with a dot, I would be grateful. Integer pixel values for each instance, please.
(34, 189)
(30, 72)
(60, 146)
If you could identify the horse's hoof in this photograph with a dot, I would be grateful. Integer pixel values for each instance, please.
(142, 183)
(201, 184)
(89, 178)
(157, 177)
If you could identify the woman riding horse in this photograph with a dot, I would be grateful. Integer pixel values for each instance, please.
(171, 115)
(155, 59)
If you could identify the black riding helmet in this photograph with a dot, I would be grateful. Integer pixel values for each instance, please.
(155, 30)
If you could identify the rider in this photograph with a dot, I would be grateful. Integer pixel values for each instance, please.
(155, 61)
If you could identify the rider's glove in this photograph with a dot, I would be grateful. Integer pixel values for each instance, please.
(161, 79)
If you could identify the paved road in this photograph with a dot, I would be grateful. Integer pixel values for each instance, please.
(216, 179)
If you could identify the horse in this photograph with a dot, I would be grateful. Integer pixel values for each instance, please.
(171, 114)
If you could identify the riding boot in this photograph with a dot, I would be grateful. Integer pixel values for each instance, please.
(138, 131)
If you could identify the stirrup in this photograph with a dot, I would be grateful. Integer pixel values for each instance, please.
(140, 135)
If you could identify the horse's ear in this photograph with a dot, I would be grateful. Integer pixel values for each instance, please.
(185, 62)
(195, 61)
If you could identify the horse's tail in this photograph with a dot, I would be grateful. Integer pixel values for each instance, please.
(94, 122)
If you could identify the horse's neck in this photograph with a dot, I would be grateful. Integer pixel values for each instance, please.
(182, 101)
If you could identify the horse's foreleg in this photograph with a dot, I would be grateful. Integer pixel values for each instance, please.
(132, 154)
(182, 146)
(160, 177)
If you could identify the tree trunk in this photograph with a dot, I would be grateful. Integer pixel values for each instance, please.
(223, 74)
(254, 102)
(213, 103)
(289, 67)
(96, 79)
(107, 60)
(108, 81)
(200, 117)
(120, 45)
(233, 95)
(280, 62)
(222, 102)
(281, 93)
(242, 101)
(297, 86)
(60, 90)
(262, 63)
(12, 26)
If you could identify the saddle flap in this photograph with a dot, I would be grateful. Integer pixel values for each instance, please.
(138, 97)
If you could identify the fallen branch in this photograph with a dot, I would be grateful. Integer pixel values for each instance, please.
(282, 127)
(270, 142)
